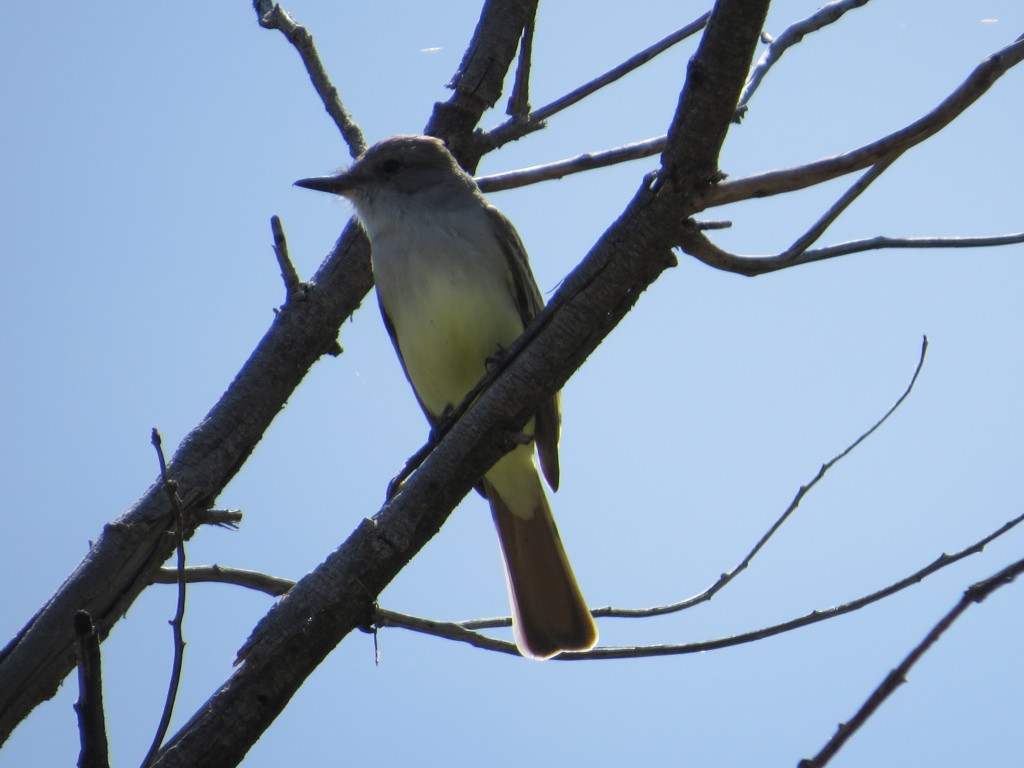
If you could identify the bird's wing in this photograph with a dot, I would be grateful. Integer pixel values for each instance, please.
(529, 303)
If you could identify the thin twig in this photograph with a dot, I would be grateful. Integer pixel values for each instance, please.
(171, 489)
(560, 168)
(793, 34)
(293, 286)
(898, 676)
(519, 101)
(874, 243)
(261, 582)
(818, 228)
(517, 127)
(272, 16)
(725, 578)
(92, 726)
(447, 630)
(224, 518)
(700, 247)
(463, 631)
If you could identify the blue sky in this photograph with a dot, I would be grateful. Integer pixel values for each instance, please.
(143, 154)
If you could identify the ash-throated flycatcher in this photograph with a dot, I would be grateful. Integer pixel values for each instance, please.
(455, 288)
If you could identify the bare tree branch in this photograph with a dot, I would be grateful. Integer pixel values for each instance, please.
(704, 115)
(447, 630)
(125, 556)
(793, 34)
(293, 285)
(791, 256)
(274, 586)
(179, 613)
(92, 726)
(520, 125)
(898, 676)
(561, 168)
(464, 631)
(728, 576)
(339, 595)
(879, 153)
(224, 518)
(833, 213)
(699, 246)
(519, 101)
(478, 81)
(273, 16)
(801, 177)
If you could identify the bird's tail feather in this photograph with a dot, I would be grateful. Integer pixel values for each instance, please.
(549, 614)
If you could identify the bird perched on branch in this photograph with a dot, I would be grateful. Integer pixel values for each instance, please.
(455, 288)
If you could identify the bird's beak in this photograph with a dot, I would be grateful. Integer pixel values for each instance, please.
(340, 184)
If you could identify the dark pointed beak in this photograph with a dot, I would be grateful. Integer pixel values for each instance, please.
(336, 185)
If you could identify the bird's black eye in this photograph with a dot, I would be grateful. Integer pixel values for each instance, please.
(390, 166)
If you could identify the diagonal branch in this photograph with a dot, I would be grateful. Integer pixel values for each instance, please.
(478, 81)
(793, 34)
(273, 16)
(845, 201)
(801, 177)
(520, 125)
(704, 250)
(125, 556)
(519, 101)
(975, 594)
(497, 182)
(727, 577)
(704, 114)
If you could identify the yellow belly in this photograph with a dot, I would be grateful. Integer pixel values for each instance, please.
(447, 330)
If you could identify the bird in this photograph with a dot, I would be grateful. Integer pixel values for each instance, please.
(455, 289)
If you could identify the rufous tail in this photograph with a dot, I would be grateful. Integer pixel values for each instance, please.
(549, 614)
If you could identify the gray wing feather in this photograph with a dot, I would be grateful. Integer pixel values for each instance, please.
(530, 303)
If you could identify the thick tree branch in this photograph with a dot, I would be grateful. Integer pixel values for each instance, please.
(708, 105)
(129, 550)
(127, 554)
(477, 82)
